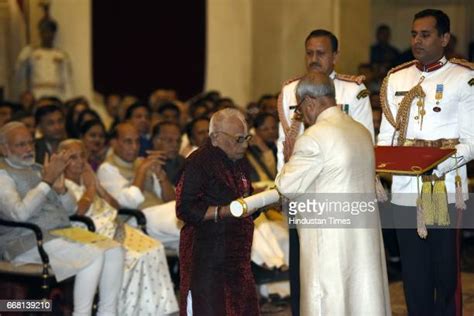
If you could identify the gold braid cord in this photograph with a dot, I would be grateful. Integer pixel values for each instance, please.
(462, 62)
(356, 79)
(403, 112)
(295, 128)
(281, 112)
(384, 102)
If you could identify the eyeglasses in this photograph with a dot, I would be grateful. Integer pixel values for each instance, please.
(298, 113)
(238, 139)
(297, 107)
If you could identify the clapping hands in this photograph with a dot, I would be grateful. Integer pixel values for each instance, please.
(53, 170)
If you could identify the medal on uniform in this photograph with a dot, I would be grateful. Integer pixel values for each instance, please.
(438, 97)
(345, 108)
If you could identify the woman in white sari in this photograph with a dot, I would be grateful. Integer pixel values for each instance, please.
(147, 288)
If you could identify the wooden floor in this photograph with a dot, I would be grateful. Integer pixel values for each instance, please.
(398, 299)
(396, 288)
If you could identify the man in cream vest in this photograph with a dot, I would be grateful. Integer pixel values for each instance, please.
(31, 193)
(342, 269)
(141, 183)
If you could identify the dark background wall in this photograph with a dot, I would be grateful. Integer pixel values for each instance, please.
(139, 46)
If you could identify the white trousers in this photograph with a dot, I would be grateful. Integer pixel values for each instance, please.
(91, 265)
(107, 272)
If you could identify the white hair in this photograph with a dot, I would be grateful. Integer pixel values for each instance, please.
(315, 85)
(219, 119)
(68, 142)
(7, 128)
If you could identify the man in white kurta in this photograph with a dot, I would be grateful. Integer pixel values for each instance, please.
(321, 55)
(342, 269)
(35, 194)
(141, 184)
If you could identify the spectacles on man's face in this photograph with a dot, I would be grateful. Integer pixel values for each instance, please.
(238, 139)
(297, 108)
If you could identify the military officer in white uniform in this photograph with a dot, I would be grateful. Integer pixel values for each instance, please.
(435, 98)
(351, 94)
(45, 70)
(321, 51)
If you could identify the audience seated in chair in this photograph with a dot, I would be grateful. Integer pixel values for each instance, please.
(38, 195)
(147, 287)
(50, 122)
(167, 139)
(141, 183)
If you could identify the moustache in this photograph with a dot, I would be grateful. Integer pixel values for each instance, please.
(312, 65)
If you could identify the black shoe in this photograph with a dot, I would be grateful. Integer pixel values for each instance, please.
(263, 275)
(394, 271)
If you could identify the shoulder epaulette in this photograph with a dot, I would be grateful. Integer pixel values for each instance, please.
(401, 66)
(462, 62)
(363, 94)
(291, 80)
(351, 78)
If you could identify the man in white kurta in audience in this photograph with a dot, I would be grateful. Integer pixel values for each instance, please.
(37, 195)
(141, 183)
(342, 269)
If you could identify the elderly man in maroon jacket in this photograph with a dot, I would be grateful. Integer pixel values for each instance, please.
(216, 278)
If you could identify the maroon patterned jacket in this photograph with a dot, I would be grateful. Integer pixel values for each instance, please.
(215, 257)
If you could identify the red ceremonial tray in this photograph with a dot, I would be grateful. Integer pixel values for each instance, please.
(409, 160)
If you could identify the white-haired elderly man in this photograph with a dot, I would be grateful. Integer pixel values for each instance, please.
(216, 277)
(37, 195)
(333, 162)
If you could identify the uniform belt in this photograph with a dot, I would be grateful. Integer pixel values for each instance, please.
(438, 143)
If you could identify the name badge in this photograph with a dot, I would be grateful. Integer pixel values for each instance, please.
(400, 93)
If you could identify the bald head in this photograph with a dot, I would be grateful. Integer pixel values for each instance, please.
(126, 142)
(228, 131)
(124, 128)
(221, 119)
